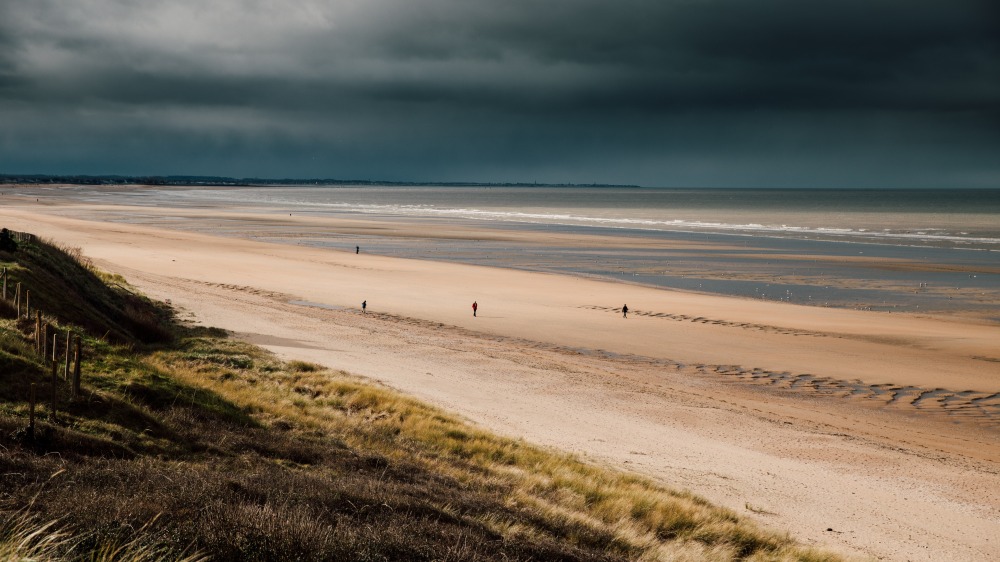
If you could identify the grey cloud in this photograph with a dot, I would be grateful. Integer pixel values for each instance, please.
(631, 91)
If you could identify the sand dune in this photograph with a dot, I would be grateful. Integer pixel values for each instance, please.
(874, 434)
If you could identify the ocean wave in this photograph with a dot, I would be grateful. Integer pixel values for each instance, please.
(916, 235)
(565, 219)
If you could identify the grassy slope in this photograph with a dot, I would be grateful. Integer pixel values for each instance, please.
(234, 454)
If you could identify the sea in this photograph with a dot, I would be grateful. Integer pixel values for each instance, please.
(907, 250)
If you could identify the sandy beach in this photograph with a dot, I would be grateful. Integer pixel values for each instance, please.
(870, 433)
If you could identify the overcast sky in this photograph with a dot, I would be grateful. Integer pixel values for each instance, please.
(858, 93)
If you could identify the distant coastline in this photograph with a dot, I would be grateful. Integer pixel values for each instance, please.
(44, 179)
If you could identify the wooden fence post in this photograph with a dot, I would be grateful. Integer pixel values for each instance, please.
(17, 300)
(43, 332)
(31, 412)
(69, 334)
(27, 303)
(38, 334)
(55, 343)
(76, 368)
(55, 388)
(5, 283)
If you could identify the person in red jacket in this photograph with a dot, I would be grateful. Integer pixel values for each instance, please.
(475, 307)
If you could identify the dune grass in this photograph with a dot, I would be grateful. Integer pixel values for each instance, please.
(619, 513)
(195, 443)
(23, 539)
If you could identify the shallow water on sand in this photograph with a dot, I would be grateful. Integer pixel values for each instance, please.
(916, 251)
(766, 268)
(942, 217)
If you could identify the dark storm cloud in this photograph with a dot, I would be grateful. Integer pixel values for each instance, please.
(655, 92)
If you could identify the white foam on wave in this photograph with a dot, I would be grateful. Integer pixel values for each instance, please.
(926, 235)
(564, 219)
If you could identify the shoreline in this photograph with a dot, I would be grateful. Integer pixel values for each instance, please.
(838, 274)
(653, 401)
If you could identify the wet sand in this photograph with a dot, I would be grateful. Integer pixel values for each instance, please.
(958, 278)
(883, 428)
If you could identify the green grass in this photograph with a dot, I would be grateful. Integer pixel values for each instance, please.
(195, 443)
(66, 287)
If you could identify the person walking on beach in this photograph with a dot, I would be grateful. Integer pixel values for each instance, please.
(357, 249)
(364, 305)
(475, 307)
(625, 311)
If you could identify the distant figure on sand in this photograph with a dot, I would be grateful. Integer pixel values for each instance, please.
(357, 249)
(364, 305)
(625, 311)
(475, 307)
